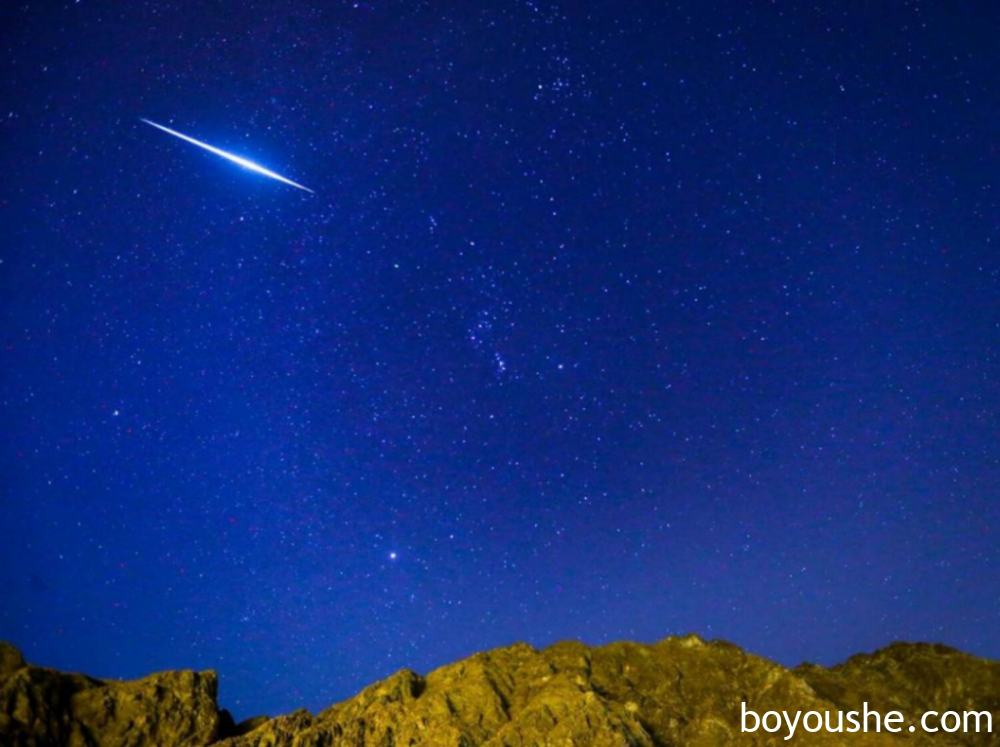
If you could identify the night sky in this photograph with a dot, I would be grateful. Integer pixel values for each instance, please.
(606, 321)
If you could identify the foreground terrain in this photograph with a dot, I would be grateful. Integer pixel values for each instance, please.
(679, 692)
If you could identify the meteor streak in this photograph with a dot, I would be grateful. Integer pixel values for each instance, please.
(229, 156)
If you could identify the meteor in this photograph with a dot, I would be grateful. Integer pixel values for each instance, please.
(229, 156)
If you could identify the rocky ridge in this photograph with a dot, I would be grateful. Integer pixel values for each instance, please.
(680, 692)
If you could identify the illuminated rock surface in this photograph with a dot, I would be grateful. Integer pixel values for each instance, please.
(681, 691)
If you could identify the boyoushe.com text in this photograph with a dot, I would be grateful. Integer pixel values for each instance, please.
(864, 721)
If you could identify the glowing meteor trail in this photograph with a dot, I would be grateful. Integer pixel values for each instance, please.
(229, 156)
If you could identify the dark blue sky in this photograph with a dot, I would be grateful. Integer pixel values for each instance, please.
(607, 320)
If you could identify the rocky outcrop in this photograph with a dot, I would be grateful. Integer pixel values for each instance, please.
(914, 678)
(679, 692)
(42, 707)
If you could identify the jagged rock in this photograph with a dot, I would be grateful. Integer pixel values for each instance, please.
(247, 725)
(10, 659)
(272, 732)
(681, 692)
(45, 708)
(913, 678)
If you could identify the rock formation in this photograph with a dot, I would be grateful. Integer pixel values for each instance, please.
(41, 707)
(679, 692)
